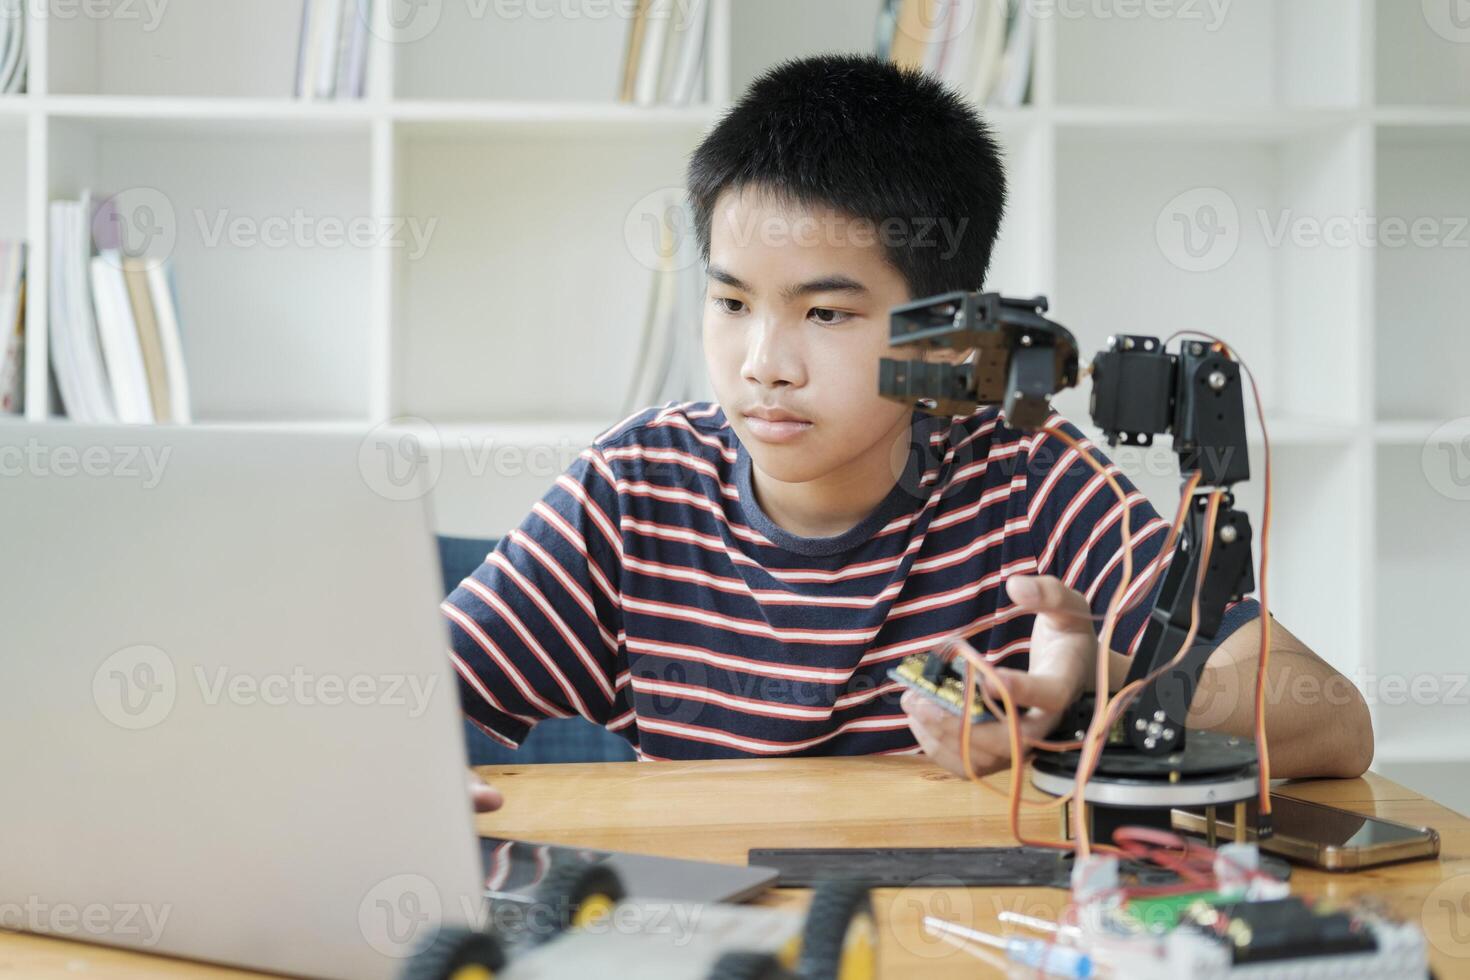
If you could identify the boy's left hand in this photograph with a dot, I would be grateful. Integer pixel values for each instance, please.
(1064, 649)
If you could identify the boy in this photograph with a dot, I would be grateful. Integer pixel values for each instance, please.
(735, 579)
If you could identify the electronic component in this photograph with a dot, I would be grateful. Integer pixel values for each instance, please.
(1024, 358)
(938, 679)
(1205, 936)
(1290, 938)
(1285, 929)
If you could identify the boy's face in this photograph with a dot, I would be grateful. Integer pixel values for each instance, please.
(795, 322)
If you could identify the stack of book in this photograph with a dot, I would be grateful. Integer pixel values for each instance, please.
(114, 330)
(669, 365)
(664, 59)
(981, 48)
(331, 61)
(12, 326)
(13, 57)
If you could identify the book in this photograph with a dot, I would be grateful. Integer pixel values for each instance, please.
(140, 302)
(17, 83)
(12, 326)
(305, 64)
(165, 310)
(319, 53)
(659, 25)
(63, 359)
(939, 42)
(352, 76)
(1014, 77)
(76, 356)
(327, 31)
(684, 56)
(13, 49)
(911, 34)
(668, 365)
(957, 50)
(989, 46)
(633, 54)
(887, 27)
(120, 345)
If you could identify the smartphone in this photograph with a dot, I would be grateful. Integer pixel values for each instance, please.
(1321, 836)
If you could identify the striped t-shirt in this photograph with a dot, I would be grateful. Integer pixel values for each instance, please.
(648, 592)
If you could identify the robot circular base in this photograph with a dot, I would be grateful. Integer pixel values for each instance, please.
(1212, 769)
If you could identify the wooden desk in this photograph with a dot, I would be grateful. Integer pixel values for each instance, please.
(718, 810)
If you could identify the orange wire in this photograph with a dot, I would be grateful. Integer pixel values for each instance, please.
(1180, 513)
(1124, 697)
(1013, 730)
(1104, 641)
(1106, 708)
(1263, 658)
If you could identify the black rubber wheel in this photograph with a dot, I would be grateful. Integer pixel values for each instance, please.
(749, 966)
(841, 936)
(456, 954)
(571, 893)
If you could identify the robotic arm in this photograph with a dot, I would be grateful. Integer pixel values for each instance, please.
(1021, 360)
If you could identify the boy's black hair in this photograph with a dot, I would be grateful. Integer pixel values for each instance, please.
(873, 141)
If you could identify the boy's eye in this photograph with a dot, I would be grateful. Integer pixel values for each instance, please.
(828, 317)
(723, 304)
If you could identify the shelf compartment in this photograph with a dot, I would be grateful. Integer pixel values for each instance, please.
(527, 52)
(1423, 54)
(478, 334)
(1316, 490)
(1164, 234)
(806, 28)
(1209, 55)
(186, 48)
(273, 314)
(1422, 539)
(1422, 291)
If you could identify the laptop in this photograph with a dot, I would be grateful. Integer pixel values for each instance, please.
(232, 732)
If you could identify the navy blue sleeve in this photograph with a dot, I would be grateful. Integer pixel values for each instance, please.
(534, 631)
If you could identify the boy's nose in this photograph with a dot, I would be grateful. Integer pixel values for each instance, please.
(773, 357)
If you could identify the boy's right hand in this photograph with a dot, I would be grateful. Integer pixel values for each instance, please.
(486, 798)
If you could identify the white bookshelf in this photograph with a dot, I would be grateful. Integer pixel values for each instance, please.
(515, 325)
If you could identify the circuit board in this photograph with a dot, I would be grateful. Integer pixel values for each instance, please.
(940, 681)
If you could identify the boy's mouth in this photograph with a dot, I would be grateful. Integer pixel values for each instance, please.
(775, 425)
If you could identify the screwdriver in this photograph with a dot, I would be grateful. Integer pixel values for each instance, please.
(1061, 961)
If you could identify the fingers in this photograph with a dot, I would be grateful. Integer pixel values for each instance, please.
(1046, 692)
(484, 797)
(1047, 595)
(938, 733)
(1027, 689)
